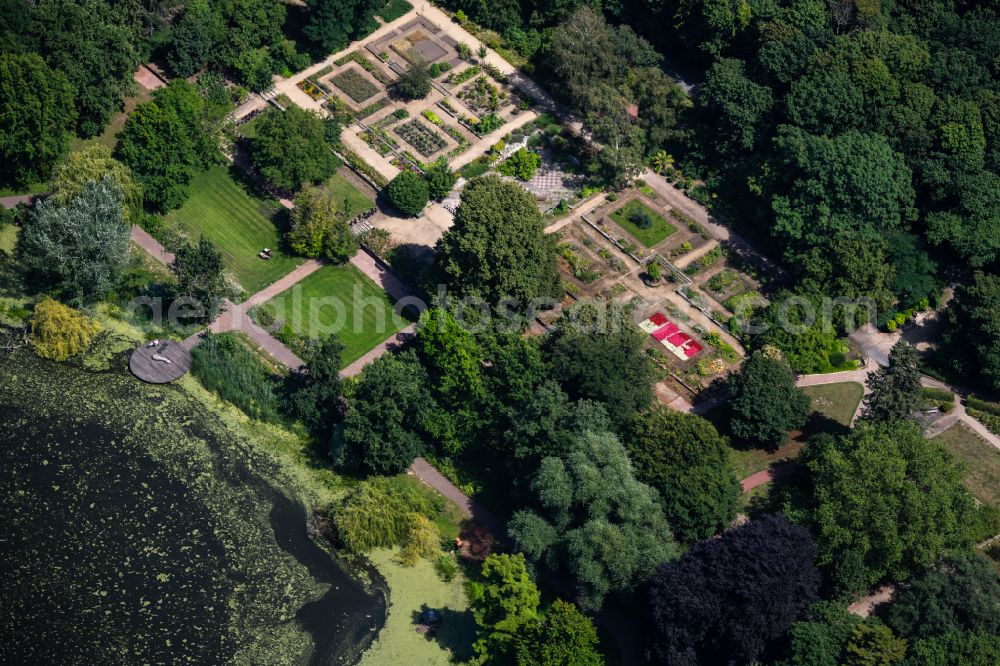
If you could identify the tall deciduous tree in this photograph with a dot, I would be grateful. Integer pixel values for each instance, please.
(686, 459)
(36, 117)
(166, 139)
(408, 192)
(319, 227)
(82, 247)
(599, 357)
(592, 518)
(384, 428)
(194, 38)
(890, 495)
(726, 599)
(315, 395)
(764, 402)
(453, 360)
(200, 273)
(89, 165)
(415, 82)
(290, 148)
(961, 593)
(498, 247)
(895, 389)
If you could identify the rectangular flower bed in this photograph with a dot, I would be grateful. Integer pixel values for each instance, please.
(421, 136)
(356, 86)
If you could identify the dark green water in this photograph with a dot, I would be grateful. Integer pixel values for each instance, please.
(137, 529)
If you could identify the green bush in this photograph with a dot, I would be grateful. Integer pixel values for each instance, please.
(408, 192)
(983, 405)
(446, 567)
(522, 165)
(640, 218)
(223, 364)
(488, 123)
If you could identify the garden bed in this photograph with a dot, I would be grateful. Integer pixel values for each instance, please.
(355, 85)
(424, 139)
(643, 223)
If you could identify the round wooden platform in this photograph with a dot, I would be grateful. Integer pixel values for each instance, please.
(145, 367)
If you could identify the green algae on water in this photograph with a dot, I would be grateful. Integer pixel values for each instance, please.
(138, 529)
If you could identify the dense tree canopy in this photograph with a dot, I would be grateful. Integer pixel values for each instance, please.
(333, 23)
(764, 402)
(973, 342)
(408, 192)
(497, 248)
(684, 457)
(599, 357)
(201, 281)
(889, 495)
(384, 428)
(81, 247)
(37, 117)
(593, 519)
(726, 599)
(290, 148)
(315, 395)
(95, 45)
(961, 593)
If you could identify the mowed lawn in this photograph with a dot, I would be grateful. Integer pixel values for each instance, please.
(833, 407)
(652, 235)
(982, 459)
(338, 189)
(343, 301)
(239, 223)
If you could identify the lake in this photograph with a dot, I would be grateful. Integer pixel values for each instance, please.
(138, 529)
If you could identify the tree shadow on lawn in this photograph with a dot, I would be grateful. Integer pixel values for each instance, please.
(456, 632)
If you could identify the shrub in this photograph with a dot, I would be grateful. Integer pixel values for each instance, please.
(415, 82)
(522, 164)
(488, 123)
(640, 218)
(59, 332)
(446, 567)
(408, 192)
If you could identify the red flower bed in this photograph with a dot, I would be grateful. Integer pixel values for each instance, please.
(665, 331)
(659, 319)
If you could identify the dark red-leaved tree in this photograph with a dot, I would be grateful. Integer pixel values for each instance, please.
(727, 598)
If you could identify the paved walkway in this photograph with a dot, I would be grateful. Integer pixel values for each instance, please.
(426, 472)
(142, 238)
(389, 344)
(775, 471)
(14, 200)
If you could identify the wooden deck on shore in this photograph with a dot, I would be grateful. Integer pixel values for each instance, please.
(145, 367)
